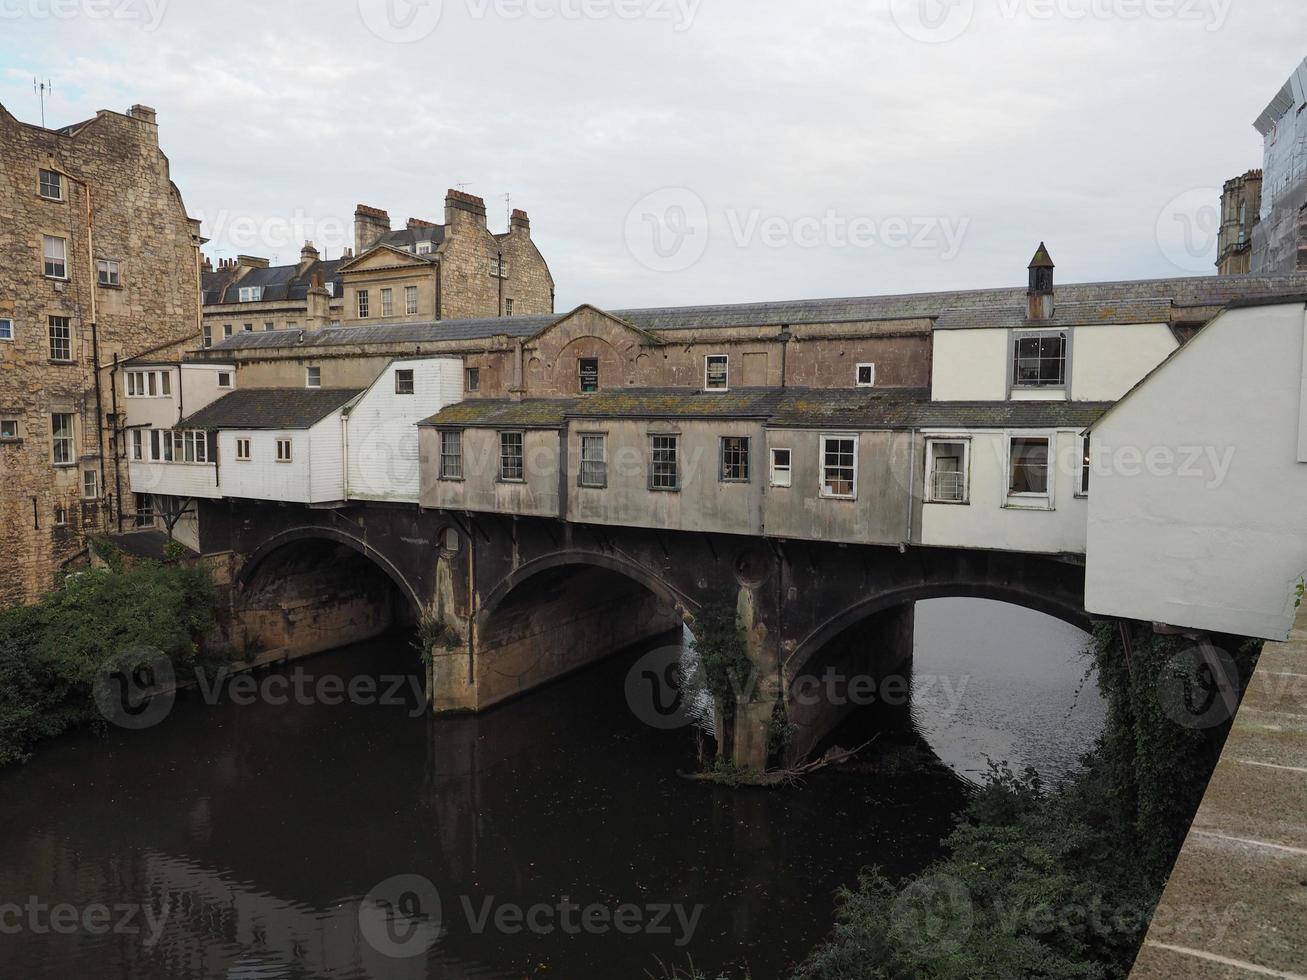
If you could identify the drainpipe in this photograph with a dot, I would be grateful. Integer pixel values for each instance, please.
(785, 339)
(117, 470)
(439, 289)
(912, 480)
(499, 278)
(344, 453)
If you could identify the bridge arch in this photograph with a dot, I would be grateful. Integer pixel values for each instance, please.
(672, 597)
(288, 538)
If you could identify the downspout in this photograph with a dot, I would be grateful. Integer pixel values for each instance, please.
(440, 266)
(499, 278)
(117, 470)
(785, 339)
(912, 480)
(344, 454)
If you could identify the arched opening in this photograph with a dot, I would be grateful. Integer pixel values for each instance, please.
(956, 676)
(558, 615)
(309, 591)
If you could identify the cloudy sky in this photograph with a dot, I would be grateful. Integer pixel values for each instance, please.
(696, 151)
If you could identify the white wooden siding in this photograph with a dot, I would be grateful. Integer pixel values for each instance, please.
(382, 427)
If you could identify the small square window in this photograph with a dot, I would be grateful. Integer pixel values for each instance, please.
(6, 329)
(782, 469)
(8, 429)
(313, 377)
(224, 379)
(108, 272)
(249, 328)
(269, 325)
(1039, 360)
(866, 375)
(404, 381)
(716, 372)
(52, 185)
(226, 330)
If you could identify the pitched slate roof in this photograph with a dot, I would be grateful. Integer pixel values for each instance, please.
(885, 408)
(281, 283)
(1142, 301)
(270, 408)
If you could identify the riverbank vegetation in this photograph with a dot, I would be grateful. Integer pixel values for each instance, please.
(50, 652)
(1060, 883)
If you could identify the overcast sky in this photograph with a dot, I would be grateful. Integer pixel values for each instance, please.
(696, 151)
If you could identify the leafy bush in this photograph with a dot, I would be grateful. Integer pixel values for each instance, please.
(50, 652)
(1041, 884)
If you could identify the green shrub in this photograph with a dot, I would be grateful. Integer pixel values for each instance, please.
(50, 652)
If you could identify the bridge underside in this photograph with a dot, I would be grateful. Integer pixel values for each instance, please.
(522, 602)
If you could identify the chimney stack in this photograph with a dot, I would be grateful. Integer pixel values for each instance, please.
(1040, 296)
(519, 223)
(461, 206)
(308, 255)
(370, 226)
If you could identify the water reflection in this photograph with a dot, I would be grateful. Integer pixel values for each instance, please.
(1006, 684)
(253, 833)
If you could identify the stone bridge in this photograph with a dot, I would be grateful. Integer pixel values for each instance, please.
(527, 600)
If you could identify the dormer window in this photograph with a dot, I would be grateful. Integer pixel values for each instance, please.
(1039, 360)
(251, 294)
(424, 248)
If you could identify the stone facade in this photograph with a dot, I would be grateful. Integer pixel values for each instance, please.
(123, 283)
(420, 273)
(1241, 205)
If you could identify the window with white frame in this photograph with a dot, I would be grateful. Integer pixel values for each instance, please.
(283, 451)
(206, 335)
(451, 455)
(404, 381)
(512, 466)
(108, 272)
(55, 254)
(947, 469)
(594, 460)
(61, 339)
(410, 300)
(250, 294)
(424, 248)
(473, 379)
(51, 185)
(60, 516)
(664, 462)
(9, 431)
(313, 377)
(508, 307)
(138, 445)
(716, 372)
(195, 446)
(224, 379)
(735, 459)
(61, 439)
(782, 468)
(269, 325)
(144, 510)
(292, 325)
(1028, 466)
(839, 466)
(865, 375)
(90, 484)
(243, 450)
(1039, 359)
(365, 307)
(387, 302)
(6, 328)
(1086, 463)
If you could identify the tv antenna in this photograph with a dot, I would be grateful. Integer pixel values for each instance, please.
(508, 206)
(41, 88)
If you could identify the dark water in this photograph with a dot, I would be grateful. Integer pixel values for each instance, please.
(253, 835)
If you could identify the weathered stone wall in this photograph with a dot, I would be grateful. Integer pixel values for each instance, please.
(114, 170)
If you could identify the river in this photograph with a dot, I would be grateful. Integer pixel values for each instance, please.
(550, 837)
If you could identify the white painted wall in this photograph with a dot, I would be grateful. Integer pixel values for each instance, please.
(327, 460)
(262, 477)
(969, 365)
(1107, 360)
(992, 519)
(1217, 541)
(174, 479)
(382, 427)
(200, 385)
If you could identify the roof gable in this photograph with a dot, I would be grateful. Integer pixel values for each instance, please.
(384, 256)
